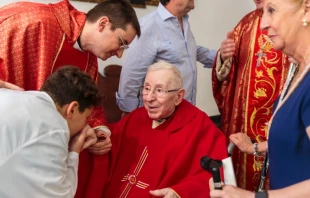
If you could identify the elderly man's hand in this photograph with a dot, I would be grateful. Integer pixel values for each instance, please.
(83, 139)
(7, 85)
(165, 193)
(76, 142)
(103, 144)
(231, 192)
(227, 47)
(243, 142)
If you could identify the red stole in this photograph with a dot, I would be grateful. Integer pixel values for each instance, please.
(144, 159)
(245, 99)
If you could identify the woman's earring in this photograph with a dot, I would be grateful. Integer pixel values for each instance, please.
(304, 22)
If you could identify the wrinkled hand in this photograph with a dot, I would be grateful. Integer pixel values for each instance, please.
(103, 144)
(76, 142)
(165, 193)
(227, 47)
(91, 137)
(231, 192)
(7, 85)
(243, 142)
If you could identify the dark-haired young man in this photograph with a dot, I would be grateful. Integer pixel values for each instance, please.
(43, 133)
(36, 39)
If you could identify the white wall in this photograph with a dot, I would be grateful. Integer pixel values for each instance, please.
(210, 21)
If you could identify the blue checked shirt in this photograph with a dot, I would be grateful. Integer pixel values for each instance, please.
(161, 39)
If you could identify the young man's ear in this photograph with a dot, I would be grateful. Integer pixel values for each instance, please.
(103, 22)
(72, 108)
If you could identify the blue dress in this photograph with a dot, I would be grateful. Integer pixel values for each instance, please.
(289, 145)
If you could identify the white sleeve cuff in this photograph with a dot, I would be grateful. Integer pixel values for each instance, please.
(127, 104)
(222, 70)
(73, 159)
(105, 129)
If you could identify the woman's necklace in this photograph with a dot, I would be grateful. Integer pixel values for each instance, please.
(286, 92)
(291, 74)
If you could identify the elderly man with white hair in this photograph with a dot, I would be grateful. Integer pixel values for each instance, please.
(157, 148)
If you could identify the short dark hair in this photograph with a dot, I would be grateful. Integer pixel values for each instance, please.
(68, 84)
(164, 2)
(120, 13)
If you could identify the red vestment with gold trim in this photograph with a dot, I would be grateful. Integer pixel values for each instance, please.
(144, 159)
(35, 40)
(245, 98)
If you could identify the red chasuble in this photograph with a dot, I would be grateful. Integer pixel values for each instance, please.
(35, 40)
(144, 159)
(245, 98)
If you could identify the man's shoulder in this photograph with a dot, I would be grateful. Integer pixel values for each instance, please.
(188, 112)
(34, 109)
(29, 12)
(250, 16)
(29, 115)
(149, 20)
(187, 106)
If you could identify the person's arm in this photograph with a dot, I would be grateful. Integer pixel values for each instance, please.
(224, 57)
(206, 56)
(61, 178)
(8, 85)
(53, 171)
(244, 143)
(141, 55)
(103, 144)
(299, 190)
(98, 121)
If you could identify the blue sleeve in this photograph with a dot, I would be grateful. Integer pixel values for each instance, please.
(141, 55)
(206, 56)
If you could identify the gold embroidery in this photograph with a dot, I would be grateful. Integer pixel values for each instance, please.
(132, 178)
(257, 165)
(248, 71)
(142, 185)
(264, 43)
(259, 74)
(262, 83)
(260, 92)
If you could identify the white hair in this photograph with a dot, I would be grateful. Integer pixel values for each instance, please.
(177, 80)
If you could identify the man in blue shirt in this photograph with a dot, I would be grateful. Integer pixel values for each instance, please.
(166, 35)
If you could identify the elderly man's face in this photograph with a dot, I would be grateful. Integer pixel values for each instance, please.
(160, 107)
